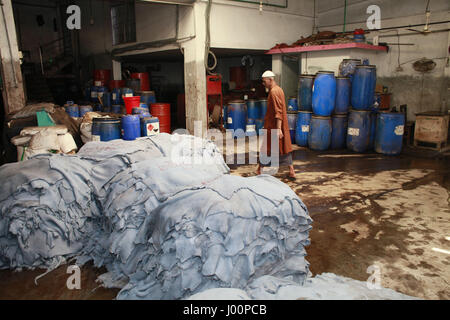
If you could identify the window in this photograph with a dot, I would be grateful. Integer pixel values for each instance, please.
(123, 22)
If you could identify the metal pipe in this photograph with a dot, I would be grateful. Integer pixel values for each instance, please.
(265, 4)
(345, 14)
(391, 28)
(168, 2)
(42, 64)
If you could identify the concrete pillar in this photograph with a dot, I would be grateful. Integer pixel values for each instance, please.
(195, 72)
(117, 70)
(13, 92)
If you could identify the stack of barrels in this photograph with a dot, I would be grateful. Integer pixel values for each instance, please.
(245, 118)
(339, 112)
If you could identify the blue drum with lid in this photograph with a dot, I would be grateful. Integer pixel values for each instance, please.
(85, 109)
(237, 117)
(343, 88)
(292, 104)
(131, 127)
(305, 84)
(363, 87)
(339, 131)
(319, 137)
(389, 133)
(324, 94)
(253, 109)
(358, 132)
(302, 128)
(263, 106)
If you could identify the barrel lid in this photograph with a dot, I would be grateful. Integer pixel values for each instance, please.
(326, 72)
(370, 66)
(252, 100)
(321, 117)
(342, 78)
(351, 60)
(292, 97)
(292, 112)
(307, 76)
(305, 111)
(237, 101)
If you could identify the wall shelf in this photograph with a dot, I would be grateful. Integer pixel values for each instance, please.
(339, 46)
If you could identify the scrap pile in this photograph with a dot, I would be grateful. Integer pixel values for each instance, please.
(162, 215)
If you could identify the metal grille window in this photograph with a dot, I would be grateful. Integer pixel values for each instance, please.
(123, 21)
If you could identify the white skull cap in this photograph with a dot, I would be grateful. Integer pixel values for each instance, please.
(268, 74)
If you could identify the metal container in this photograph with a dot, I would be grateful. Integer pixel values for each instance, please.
(162, 112)
(302, 128)
(358, 133)
(339, 131)
(324, 94)
(319, 137)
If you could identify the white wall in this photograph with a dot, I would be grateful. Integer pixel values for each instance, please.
(243, 26)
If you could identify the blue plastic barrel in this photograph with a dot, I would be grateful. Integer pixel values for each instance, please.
(292, 104)
(339, 131)
(363, 87)
(302, 128)
(85, 109)
(73, 110)
(263, 105)
(149, 126)
(253, 109)
(147, 97)
(139, 110)
(343, 88)
(305, 84)
(131, 127)
(358, 133)
(250, 128)
(292, 123)
(237, 116)
(93, 94)
(373, 127)
(106, 99)
(105, 129)
(389, 133)
(319, 137)
(115, 96)
(259, 124)
(324, 94)
(125, 92)
(116, 108)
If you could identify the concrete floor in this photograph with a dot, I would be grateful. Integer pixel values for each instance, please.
(368, 209)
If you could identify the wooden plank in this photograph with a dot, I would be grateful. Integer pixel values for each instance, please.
(13, 91)
(337, 46)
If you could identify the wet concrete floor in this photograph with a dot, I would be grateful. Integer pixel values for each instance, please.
(390, 214)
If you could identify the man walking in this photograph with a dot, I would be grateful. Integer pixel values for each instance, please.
(276, 118)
